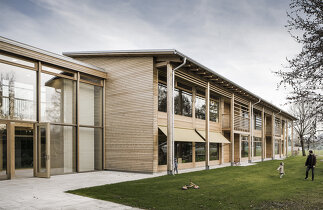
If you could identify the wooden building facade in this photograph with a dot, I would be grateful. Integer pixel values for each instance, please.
(116, 110)
(215, 120)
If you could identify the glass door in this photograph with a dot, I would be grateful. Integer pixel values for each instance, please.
(42, 150)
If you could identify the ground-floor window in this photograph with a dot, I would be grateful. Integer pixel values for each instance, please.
(3, 150)
(162, 148)
(90, 147)
(183, 152)
(214, 151)
(276, 147)
(244, 146)
(257, 146)
(199, 151)
(62, 149)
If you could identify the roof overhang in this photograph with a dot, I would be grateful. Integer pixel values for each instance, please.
(176, 54)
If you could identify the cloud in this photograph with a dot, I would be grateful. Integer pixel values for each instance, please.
(242, 40)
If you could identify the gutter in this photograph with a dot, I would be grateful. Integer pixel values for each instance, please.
(173, 111)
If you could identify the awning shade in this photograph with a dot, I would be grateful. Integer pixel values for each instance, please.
(183, 134)
(215, 137)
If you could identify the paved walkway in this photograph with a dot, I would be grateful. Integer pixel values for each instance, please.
(40, 193)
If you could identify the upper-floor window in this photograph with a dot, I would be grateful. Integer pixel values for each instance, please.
(200, 107)
(183, 101)
(257, 121)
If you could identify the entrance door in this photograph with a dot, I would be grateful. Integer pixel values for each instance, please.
(42, 150)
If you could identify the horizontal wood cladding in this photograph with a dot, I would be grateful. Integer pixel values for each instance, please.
(129, 112)
(187, 122)
(49, 59)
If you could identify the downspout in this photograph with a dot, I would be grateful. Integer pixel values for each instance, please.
(173, 102)
(251, 133)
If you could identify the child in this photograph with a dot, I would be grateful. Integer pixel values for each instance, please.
(281, 169)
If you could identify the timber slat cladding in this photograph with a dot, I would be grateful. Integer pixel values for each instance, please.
(129, 112)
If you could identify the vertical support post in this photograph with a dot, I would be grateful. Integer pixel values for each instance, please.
(103, 125)
(232, 129)
(193, 106)
(170, 122)
(263, 135)
(207, 126)
(250, 139)
(11, 151)
(287, 137)
(77, 118)
(273, 135)
(280, 137)
(292, 139)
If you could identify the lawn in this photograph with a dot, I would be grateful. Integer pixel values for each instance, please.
(252, 187)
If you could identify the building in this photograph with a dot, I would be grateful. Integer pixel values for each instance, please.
(89, 111)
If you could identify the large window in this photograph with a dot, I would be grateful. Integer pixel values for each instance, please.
(162, 148)
(183, 152)
(276, 147)
(17, 93)
(214, 110)
(257, 121)
(200, 107)
(90, 154)
(182, 99)
(214, 151)
(244, 146)
(257, 146)
(90, 105)
(199, 151)
(62, 149)
(57, 99)
(162, 97)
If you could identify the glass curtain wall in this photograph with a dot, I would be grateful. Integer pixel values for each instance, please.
(90, 131)
(58, 107)
(18, 92)
(183, 152)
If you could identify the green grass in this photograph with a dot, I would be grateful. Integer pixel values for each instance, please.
(252, 187)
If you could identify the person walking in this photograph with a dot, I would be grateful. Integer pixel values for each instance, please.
(310, 163)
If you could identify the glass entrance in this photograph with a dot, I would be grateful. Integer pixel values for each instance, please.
(42, 147)
(24, 161)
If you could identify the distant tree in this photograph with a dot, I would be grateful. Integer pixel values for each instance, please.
(304, 72)
(305, 125)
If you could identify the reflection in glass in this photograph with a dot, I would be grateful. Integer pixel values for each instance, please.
(162, 97)
(244, 147)
(199, 151)
(183, 152)
(257, 147)
(90, 145)
(214, 110)
(200, 107)
(91, 105)
(57, 99)
(3, 149)
(17, 60)
(214, 151)
(162, 148)
(276, 147)
(57, 71)
(62, 149)
(17, 93)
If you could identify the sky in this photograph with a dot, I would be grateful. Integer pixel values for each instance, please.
(244, 41)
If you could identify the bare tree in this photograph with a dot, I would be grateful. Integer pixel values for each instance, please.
(304, 72)
(305, 125)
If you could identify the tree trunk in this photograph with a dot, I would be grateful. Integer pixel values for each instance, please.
(302, 144)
